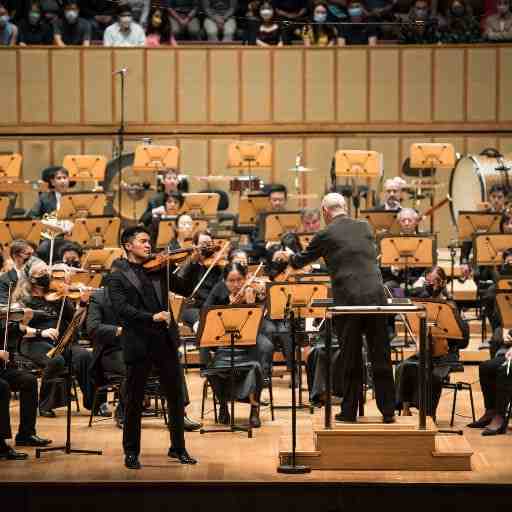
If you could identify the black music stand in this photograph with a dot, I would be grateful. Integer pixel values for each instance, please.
(66, 448)
(407, 251)
(230, 326)
(292, 301)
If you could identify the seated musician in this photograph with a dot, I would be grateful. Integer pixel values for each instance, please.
(172, 204)
(20, 251)
(168, 183)
(395, 277)
(105, 331)
(208, 275)
(248, 361)
(58, 184)
(40, 335)
(184, 231)
(392, 194)
(311, 220)
(70, 253)
(445, 351)
(25, 383)
(496, 383)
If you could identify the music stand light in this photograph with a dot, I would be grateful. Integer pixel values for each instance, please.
(10, 166)
(230, 326)
(151, 158)
(96, 232)
(85, 167)
(82, 205)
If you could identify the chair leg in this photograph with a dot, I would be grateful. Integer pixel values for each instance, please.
(454, 405)
(94, 399)
(215, 416)
(470, 389)
(271, 396)
(205, 394)
(164, 410)
(76, 396)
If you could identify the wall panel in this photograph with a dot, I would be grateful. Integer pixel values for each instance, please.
(318, 152)
(448, 85)
(98, 102)
(288, 86)
(66, 89)
(481, 85)
(384, 85)
(194, 158)
(36, 156)
(352, 86)
(35, 87)
(416, 86)
(8, 88)
(389, 146)
(224, 78)
(192, 86)
(161, 91)
(256, 86)
(319, 83)
(504, 85)
(286, 150)
(61, 148)
(135, 84)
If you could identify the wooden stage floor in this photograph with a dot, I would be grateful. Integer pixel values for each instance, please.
(232, 457)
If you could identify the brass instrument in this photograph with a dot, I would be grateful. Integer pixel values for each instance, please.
(74, 325)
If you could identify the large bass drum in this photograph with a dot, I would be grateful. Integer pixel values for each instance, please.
(471, 179)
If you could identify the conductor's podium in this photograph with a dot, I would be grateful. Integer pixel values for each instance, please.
(370, 444)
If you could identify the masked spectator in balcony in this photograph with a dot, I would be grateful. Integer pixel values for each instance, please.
(141, 8)
(380, 10)
(358, 31)
(498, 27)
(421, 26)
(319, 33)
(461, 26)
(159, 31)
(219, 19)
(269, 32)
(337, 11)
(125, 31)
(72, 30)
(291, 14)
(184, 20)
(34, 30)
(8, 31)
(100, 14)
(51, 9)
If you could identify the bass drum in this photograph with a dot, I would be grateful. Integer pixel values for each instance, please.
(471, 179)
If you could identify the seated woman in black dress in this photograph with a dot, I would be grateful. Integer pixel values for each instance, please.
(269, 32)
(248, 361)
(433, 286)
(173, 201)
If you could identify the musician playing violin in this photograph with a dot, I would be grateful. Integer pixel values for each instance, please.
(150, 337)
(44, 330)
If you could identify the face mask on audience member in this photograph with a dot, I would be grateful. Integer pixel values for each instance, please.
(4, 20)
(266, 14)
(71, 16)
(34, 17)
(458, 10)
(125, 21)
(156, 20)
(421, 13)
(42, 281)
(320, 17)
(355, 12)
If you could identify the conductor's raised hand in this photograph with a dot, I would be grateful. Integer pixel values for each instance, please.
(281, 256)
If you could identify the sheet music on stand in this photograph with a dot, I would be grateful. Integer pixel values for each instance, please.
(488, 248)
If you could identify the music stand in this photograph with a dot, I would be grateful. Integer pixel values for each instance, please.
(230, 326)
(305, 238)
(382, 221)
(407, 251)
(432, 155)
(488, 248)
(248, 156)
(504, 283)
(99, 260)
(204, 204)
(151, 158)
(5, 202)
(250, 207)
(167, 230)
(84, 204)
(276, 224)
(357, 164)
(85, 167)
(96, 232)
(504, 304)
(470, 223)
(26, 229)
(10, 166)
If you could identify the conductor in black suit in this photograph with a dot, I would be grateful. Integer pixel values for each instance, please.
(149, 337)
(348, 248)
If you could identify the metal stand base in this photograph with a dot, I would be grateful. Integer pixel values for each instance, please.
(290, 469)
(66, 450)
(234, 428)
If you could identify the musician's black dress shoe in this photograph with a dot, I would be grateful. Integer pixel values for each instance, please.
(131, 461)
(502, 429)
(482, 422)
(389, 419)
(34, 440)
(224, 418)
(103, 411)
(345, 419)
(191, 425)
(182, 456)
(9, 453)
(47, 413)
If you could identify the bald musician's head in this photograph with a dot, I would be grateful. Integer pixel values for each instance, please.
(333, 205)
(408, 218)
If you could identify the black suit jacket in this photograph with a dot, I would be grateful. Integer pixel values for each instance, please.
(46, 203)
(5, 279)
(348, 248)
(154, 202)
(134, 307)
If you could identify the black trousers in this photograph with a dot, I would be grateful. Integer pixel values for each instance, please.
(496, 384)
(13, 379)
(165, 358)
(351, 330)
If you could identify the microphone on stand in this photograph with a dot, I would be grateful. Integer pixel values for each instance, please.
(121, 71)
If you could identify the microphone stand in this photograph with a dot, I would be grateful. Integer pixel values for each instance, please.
(120, 142)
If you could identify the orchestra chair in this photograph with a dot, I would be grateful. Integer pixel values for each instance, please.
(457, 386)
(112, 385)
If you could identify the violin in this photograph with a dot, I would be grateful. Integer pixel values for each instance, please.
(60, 290)
(161, 260)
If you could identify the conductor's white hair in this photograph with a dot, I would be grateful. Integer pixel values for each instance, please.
(334, 202)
